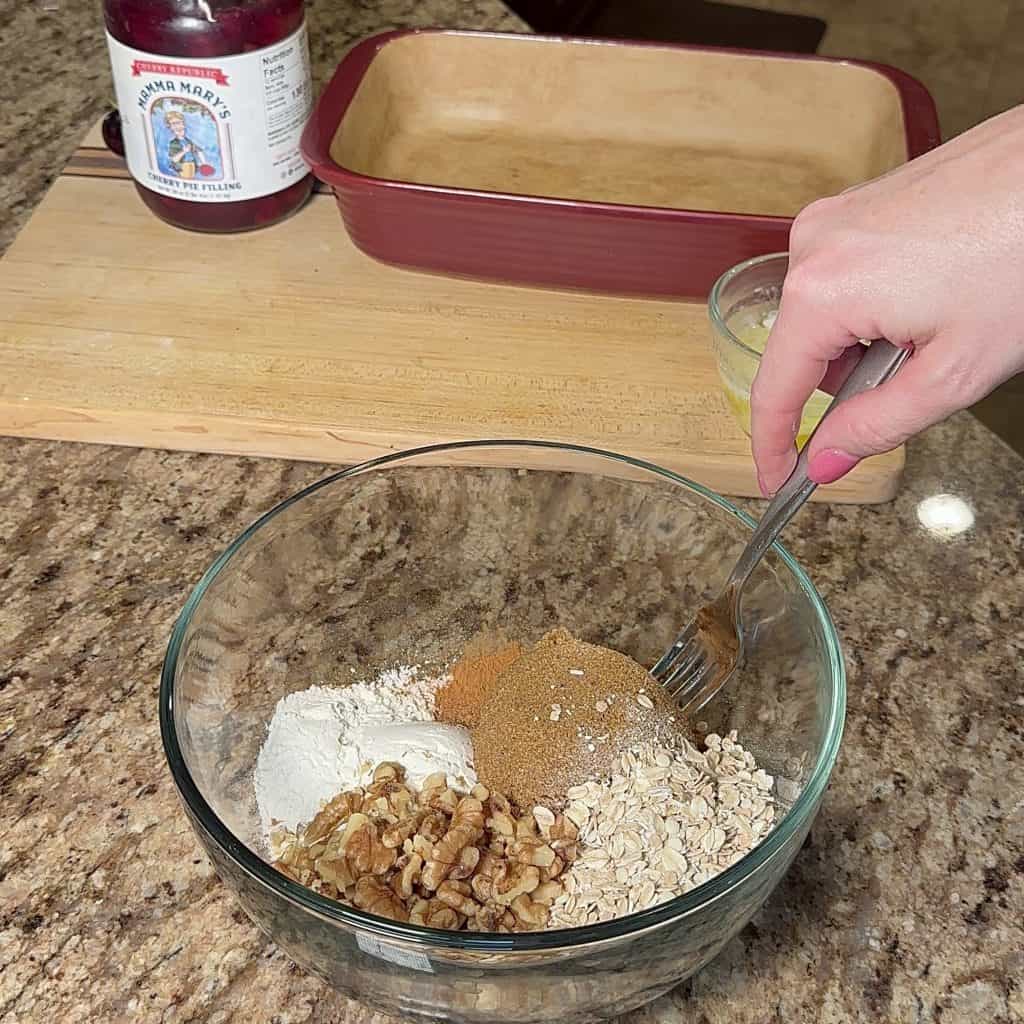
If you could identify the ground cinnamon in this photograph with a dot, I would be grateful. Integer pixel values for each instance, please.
(473, 678)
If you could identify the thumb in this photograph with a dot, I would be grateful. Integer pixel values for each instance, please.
(879, 420)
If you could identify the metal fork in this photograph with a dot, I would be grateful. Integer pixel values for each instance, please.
(710, 648)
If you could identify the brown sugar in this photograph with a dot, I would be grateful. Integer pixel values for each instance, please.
(563, 712)
(473, 679)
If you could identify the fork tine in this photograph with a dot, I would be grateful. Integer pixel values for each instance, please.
(664, 668)
(706, 692)
(685, 686)
(689, 661)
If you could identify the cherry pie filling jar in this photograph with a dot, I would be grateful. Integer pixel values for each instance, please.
(212, 98)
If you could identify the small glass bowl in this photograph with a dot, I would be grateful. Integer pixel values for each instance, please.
(403, 560)
(742, 307)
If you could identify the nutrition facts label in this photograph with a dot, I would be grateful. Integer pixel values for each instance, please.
(287, 90)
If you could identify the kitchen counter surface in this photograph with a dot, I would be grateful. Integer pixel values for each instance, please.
(906, 904)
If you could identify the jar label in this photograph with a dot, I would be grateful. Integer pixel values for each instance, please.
(214, 130)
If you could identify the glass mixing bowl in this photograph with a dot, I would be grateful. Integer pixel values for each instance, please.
(742, 306)
(403, 560)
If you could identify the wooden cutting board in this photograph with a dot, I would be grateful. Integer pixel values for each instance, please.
(288, 342)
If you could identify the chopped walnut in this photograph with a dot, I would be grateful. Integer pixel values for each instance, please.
(546, 893)
(526, 827)
(388, 771)
(373, 896)
(405, 881)
(402, 802)
(437, 858)
(366, 853)
(566, 849)
(562, 830)
(498, 802)
(457, 896)
(290, 872)
(529, 912)
(482, 881)
(436, 780)
(466, 864)
(297, 858)
(418, 911)
(444, 800)
(440, 915)
(486, 919)
(335, 870)
(512, 879)
(433, 826)
(483, 887)
(502, 823)
(553, 870)
(533, 851)
(332, 814)
(396, 835)
(465, 829)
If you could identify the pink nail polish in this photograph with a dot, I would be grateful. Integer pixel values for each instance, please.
(829, 465)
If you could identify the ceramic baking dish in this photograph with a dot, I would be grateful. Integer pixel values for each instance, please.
(610, 166)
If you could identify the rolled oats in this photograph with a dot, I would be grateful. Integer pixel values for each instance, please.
(667, 820)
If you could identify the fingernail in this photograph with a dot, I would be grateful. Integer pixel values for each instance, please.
(762, 486)
(829, 465)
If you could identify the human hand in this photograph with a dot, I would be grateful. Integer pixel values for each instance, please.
(928, 256)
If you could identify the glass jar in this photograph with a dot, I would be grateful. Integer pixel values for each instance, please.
(212, 98)
(742, 307)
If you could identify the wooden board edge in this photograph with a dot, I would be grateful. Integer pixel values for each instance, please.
(871, 483)
(93, 138)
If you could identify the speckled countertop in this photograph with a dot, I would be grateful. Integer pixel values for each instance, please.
(905, 905)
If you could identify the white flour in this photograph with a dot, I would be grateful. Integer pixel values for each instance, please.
(321, 739)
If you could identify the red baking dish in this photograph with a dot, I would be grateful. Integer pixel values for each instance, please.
(609, 166)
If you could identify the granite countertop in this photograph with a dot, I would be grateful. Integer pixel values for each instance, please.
(906, 904)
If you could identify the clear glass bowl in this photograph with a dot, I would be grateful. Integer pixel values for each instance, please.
(742, 307)
(403, 560)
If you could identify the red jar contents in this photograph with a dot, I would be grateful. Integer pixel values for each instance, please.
(212, 98)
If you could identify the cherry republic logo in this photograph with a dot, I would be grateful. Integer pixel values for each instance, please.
(180, 85)
(153, 67)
